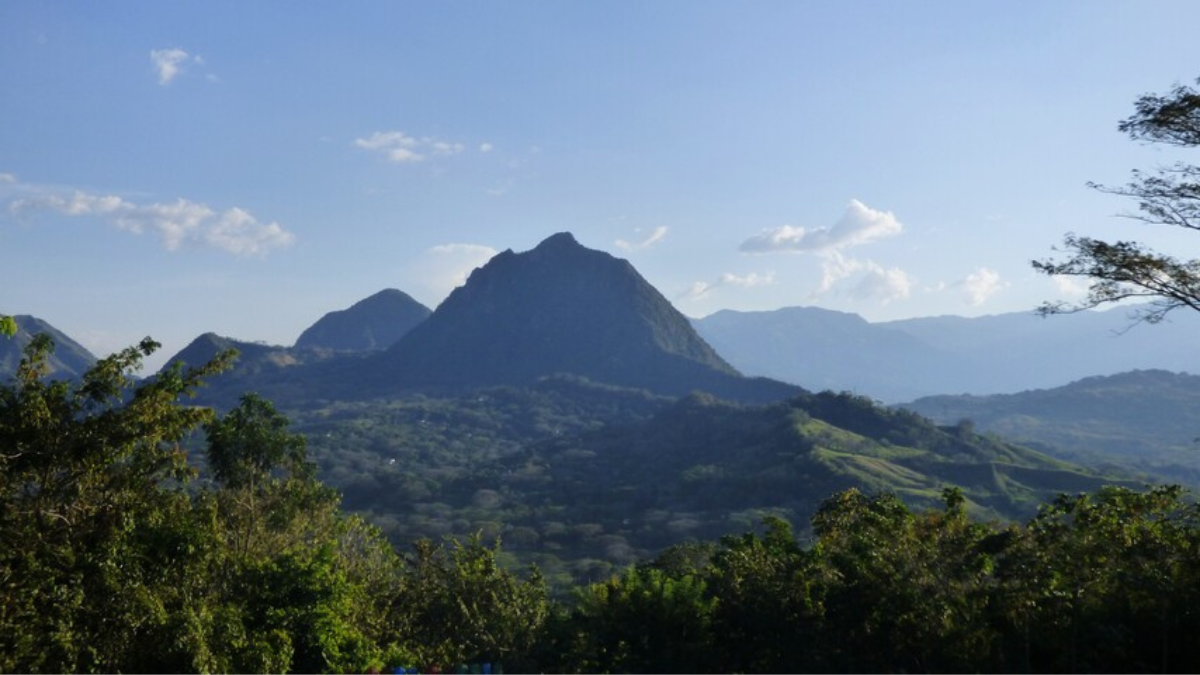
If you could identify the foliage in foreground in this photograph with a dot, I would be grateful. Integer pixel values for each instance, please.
(113, 559)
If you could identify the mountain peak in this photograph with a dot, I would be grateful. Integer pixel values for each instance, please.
(373, 323)
(560, 308)
(559, 241)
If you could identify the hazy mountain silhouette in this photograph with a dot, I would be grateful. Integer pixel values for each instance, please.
(1147, 420)
(902, 360)
(564, 308)
(374, 323)
(69, 360)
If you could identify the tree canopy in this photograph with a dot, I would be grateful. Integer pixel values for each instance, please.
(1168, 196)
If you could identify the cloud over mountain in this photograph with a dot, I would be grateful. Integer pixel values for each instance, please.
(980, 285)
(860, 224)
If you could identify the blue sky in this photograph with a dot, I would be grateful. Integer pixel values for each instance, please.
(168, 169)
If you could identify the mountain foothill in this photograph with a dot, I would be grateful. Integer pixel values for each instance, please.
(559, 401)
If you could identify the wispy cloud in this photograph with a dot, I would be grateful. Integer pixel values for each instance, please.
(980, 285)
(656, 236)
(876, 282)
(440, 269)
(176, 223)
(1070, 287)
(169, 63)
(401, 148)
(455, 262)
(8, 177)
(860, 224)
(700, 289)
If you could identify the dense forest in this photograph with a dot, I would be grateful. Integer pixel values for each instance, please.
(116, 556)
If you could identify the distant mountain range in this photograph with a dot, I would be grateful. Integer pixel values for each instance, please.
(559, 309)
(69, 360)
(1147, 420)
(899, 361)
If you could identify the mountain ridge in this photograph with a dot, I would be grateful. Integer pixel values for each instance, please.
(898, 361)
(69, 359)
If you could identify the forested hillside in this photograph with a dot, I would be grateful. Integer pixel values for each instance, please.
(1142, 420)
(585, 478)
(114, 557)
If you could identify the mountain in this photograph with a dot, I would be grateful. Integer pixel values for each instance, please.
(824, 349)
(1145, 420)
(903, 360)
(374, 323)
(69, 360)
(287, 375)
(563, 308)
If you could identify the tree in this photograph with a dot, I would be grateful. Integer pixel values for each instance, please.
(8, 326)
(1169, 196)
(456, 604)
(251, 441)
(89, 476)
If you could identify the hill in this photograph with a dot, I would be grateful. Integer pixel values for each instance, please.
(69, 360)
(374, 323)
(903, 360)
(581, 477)
(563, 308)
(1145, 420)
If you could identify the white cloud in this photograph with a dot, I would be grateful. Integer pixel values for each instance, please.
(883, 285)
(980, 285)
(401, 148)
(169, 63)
(441, 269)
(876, 283)
(8, 178)
(457, 261)
(442, 147)
(699, 289)
(749, 280)
(860, 224)
(234, 231)
(1070, 287)
(486, 147)
(655, 237)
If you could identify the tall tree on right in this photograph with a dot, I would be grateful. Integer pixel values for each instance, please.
(1167, 196)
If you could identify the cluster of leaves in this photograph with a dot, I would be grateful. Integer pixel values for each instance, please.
(1096, 582)
(113, 559)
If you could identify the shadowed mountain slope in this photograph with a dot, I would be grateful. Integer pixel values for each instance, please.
(563, 308)
(374, 323)
(69, 360)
